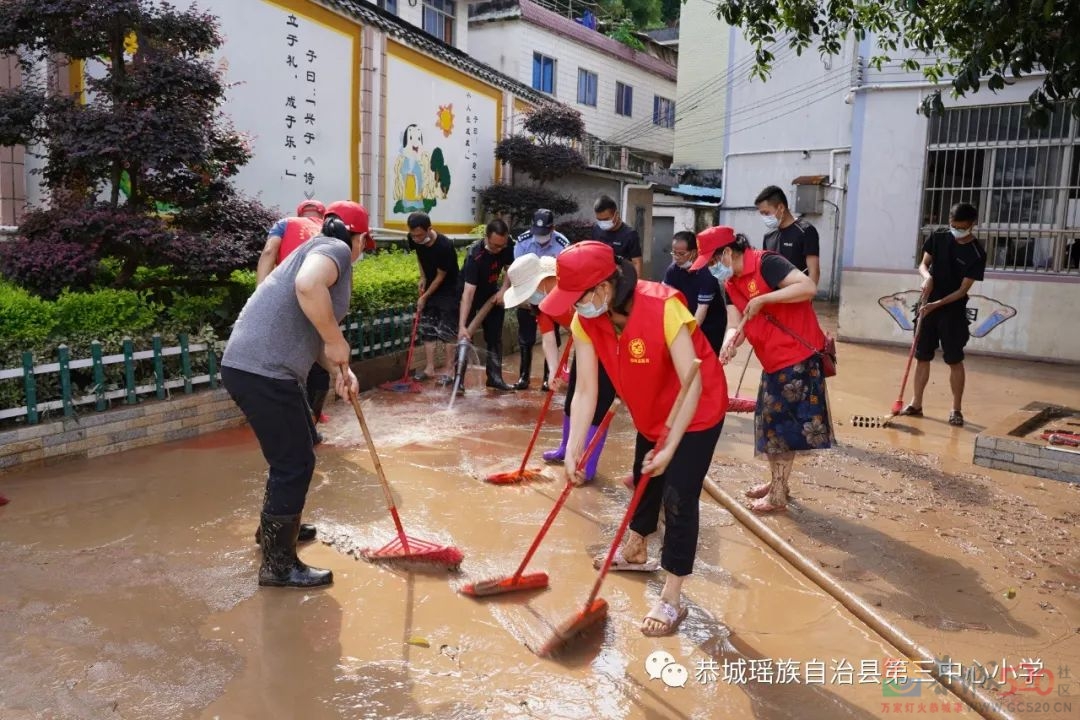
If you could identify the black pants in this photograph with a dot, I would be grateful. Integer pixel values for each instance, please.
(605, 392)
(492, 325)
(439, 319)
(678, 491)
(318, 380)
(278, 413)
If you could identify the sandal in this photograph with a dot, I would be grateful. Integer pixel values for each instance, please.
(911, 411)
(421, 376)
(621, 564)
(444, 380)
(956, 418)
(665, 613)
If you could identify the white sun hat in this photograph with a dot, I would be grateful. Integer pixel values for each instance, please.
(525, 275)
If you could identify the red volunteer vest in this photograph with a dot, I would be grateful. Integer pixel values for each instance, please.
(775, 348)
(297, 232)
(547, 323)
(639, 363)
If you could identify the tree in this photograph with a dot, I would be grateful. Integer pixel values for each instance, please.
(544, 153)
(975, 43)
(149, 127)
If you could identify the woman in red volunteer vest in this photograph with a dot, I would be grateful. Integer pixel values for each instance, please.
(531, 279)
(770, 306)
(646, 339)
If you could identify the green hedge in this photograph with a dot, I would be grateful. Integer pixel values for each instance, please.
(28, 323)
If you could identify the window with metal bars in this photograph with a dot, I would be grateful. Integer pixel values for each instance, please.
(439, 19)
(1025, 181)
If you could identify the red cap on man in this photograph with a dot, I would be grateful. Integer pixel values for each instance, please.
(709, 241)
(578, 268)
(307, 205)
(354, 215)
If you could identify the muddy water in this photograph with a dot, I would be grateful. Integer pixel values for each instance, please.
(129, 582)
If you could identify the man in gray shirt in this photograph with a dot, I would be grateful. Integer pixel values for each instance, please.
(289, 323)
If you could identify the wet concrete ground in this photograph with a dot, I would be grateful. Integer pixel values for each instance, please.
(129, 581)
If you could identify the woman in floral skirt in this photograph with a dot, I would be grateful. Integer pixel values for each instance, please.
(770, 306)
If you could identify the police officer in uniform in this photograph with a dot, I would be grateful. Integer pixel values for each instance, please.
(542, 240)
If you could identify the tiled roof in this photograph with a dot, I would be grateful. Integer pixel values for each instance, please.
(370, 15)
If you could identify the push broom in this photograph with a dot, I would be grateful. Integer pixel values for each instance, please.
(406, 384)
(403, 548)
(521, 474)
(871, 421)
(595, 608)
(464, 345)
(538, 580)
(740, 404)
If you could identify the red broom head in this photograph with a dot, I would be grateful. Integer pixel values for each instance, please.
(510, 478)
(419, 551)
(741, 405)
(574, 627)
(897, 407)
(484, 588)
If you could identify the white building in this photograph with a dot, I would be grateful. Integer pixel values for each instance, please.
(626, 97)
(889, 177)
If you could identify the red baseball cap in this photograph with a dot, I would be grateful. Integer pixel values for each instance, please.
(578, 268)
(709, 241)
(310, 205)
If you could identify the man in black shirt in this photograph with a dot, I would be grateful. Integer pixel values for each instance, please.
(701, 290)
(438, 301)
(953, 260)
(792, 237)
(485, 261)
(611, 230)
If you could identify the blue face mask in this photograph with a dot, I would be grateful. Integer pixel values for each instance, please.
(537, 297)
(721, 272)
(591, 309)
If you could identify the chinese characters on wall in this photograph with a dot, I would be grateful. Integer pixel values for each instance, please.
(299, 127)
(472, 127)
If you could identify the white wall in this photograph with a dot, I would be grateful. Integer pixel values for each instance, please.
(508, 46)
(704, 42)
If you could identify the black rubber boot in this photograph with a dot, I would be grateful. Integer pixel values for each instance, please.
(494, 373)
(280, 566)
(526, 369)
(307, 534)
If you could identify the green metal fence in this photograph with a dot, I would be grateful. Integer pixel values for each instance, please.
(372, 335)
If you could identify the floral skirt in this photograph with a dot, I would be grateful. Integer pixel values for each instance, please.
(792, 410)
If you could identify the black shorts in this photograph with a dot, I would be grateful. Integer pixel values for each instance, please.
(439, 320)
(946, 328)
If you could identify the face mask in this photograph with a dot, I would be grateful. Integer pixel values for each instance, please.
(537, 297)
(959, 233)
(591, 309)
(686, 265)
(771, 221)
(605, 224)
(493, 251)
(721, 272)
(542, 240)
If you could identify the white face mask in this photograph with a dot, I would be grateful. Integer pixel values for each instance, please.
(686, 265)
(721, 272)
(605, 224)
(771, 221)
(542, 240)
(537, 297)
(958, 234)
(591, 309)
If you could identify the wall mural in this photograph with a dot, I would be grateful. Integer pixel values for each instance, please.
(984, 314)
(440, 141)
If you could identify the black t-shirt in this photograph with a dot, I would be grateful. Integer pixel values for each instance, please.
(795, 242)
(701, 287)
(774, 268)
(624, 240)
(439, 255)
(482, 269)
(952, 261)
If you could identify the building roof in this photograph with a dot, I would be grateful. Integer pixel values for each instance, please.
(664, 35)
(530, 12)
(698, 191)
(417, 39)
